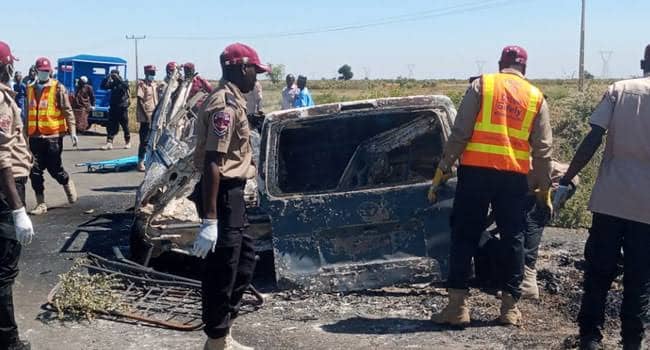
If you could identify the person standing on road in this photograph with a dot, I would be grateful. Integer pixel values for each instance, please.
(170, 68)
(289, 92)
(303, 98)
(16, 228)
(225, 157)
(147, 101)
(502, 122)
(198, 83)
(21, 91)
(49, 118)
(619, 203)
(118, 110)
(83, 102)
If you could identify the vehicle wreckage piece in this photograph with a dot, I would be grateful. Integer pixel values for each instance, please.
(345, 187)
(342, 191)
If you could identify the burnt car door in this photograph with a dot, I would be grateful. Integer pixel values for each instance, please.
(346, 193)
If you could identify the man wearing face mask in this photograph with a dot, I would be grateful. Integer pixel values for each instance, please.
(49, 118)
(118, 110)
(147, 101)
(15, 226)
(224, 156)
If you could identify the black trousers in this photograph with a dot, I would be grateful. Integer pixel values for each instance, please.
(118, 116)
(144, 136)
(9, 256)
(477, 190)
(536, 220)
(227, 272)
(47, 156)
(607, 236)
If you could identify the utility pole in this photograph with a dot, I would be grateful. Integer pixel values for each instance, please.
(581, 66)
(480, 64)
(605, 56)
(411, 68)
(135, 39)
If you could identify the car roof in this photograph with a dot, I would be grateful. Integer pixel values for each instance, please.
(94, 59)
(433, 101)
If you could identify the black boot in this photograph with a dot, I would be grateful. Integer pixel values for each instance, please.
(633, 344)
(20, 345)
(590, 343)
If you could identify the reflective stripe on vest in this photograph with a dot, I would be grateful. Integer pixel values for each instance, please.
(44, 115)
(509, 106)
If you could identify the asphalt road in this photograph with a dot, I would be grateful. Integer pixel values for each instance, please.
(394, 318)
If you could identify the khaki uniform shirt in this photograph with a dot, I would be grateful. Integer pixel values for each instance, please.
(13, 147)
(540, 140)
(147, 100)
(222, 126)
(622, 188)
(254, 99)
(64, 105)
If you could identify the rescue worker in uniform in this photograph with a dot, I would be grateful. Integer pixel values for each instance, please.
(224, 155)
(198, 83)
(15, 226)
(49, 118)
(162, 85)
(619, 203)
(502, 122)
(147, 100)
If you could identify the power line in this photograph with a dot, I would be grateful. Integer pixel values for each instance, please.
(581, 62)
(480, 64)
(410, 67)
(606, 56)
(135, 39)
(411, 17)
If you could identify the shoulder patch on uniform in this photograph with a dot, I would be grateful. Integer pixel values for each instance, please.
(221, 122)
(231, 99)
(5, 123)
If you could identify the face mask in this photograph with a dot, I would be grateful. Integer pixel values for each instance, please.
(150, 77)
(43, 76)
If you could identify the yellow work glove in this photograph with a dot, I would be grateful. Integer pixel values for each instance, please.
(544, 202)
(438, 178)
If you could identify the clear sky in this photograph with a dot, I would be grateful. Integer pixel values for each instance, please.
(435, 39)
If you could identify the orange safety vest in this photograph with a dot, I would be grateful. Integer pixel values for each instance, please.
(509, 106)
(44, 116)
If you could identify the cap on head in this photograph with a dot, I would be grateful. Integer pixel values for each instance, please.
(84, 79)
(171, 66)
(513, 55)
(43, 64)
(190, 66)
(238, 53)
(5, 54)
(115, 71)
(150, 69)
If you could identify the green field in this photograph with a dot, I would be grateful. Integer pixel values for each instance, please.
(570, 112)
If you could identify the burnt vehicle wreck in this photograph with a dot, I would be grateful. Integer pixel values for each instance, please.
(340, 196)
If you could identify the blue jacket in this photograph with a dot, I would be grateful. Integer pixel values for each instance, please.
(21, 93)
(303, 99)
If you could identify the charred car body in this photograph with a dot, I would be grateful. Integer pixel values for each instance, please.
(340, 196)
